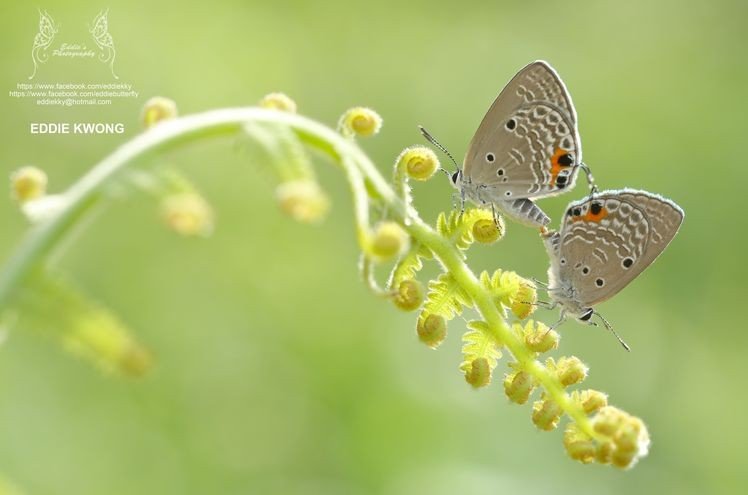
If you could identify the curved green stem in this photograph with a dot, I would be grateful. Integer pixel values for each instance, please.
(82, 195)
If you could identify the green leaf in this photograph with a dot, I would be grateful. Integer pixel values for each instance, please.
(445, 297)
(479, 343)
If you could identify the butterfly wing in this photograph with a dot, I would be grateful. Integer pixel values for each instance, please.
(607, 241)
(527, 145)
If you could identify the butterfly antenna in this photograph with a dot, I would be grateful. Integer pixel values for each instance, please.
(610, 327)
(436, 143)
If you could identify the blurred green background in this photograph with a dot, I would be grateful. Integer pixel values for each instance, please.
(277, 371)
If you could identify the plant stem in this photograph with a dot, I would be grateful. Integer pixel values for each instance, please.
(43, 238)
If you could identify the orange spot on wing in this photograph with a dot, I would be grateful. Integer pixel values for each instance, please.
(591, 217)
(555, 166)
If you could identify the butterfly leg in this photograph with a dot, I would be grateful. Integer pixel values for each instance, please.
(545, 304)
(495, 215)
(462, 202)
(561, 319)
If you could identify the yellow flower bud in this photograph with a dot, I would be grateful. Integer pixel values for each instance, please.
(523, 302)
(419, 162)
(488, 230)
(539, 338)
(278, 101)
(409, 295)
(360, 121)
(570, 370)
(431, 330)
(631, 441)
(622, 460)
(158, 109)
(578, 444)
(604, 452)
(136, 361)
(28, 183)
(479, 374)
(187, 214)
(388, 241)
(608, 421)
(518, 386)
(592, 400)
(303, 200)
(546, 414)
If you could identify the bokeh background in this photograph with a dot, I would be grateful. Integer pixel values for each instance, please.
(277, 372)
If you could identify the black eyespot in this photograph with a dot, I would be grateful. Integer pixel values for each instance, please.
(500, 172)
(561, 179)
(587, 315)
(455, 177)
(511, 124)
(628, 262)
(508, 193)
(490, 157)
(599, 282)
(577, 212)
(586, 270)
(565, 160)
(596, 208)
(563, 261)
(569, 212)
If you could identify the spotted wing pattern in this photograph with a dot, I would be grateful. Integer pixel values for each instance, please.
(527, 145)
(607, 241)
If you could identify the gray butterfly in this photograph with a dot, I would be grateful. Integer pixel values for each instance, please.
(604, 243)
(527, 147)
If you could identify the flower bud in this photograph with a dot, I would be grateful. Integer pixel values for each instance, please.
(570, 370)
(604, 452)
(158, 109)
(518, 386)
(578, 444)
(592, 401)
(136, 361)
(523, 302)
(278, 101)
(431, 330)
(303, 200)
(28, 183)
(539, 338)
(409, 295)
(419, 162)
(479, 374)
(187, 214)
(608, 421)
(388, 241)
(488, 230)
(546, 414)
(360, 121)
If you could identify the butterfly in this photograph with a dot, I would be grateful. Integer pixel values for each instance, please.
(606, 241)
(527, 147)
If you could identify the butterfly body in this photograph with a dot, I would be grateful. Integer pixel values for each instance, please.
(527, 147)
(606, 241)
